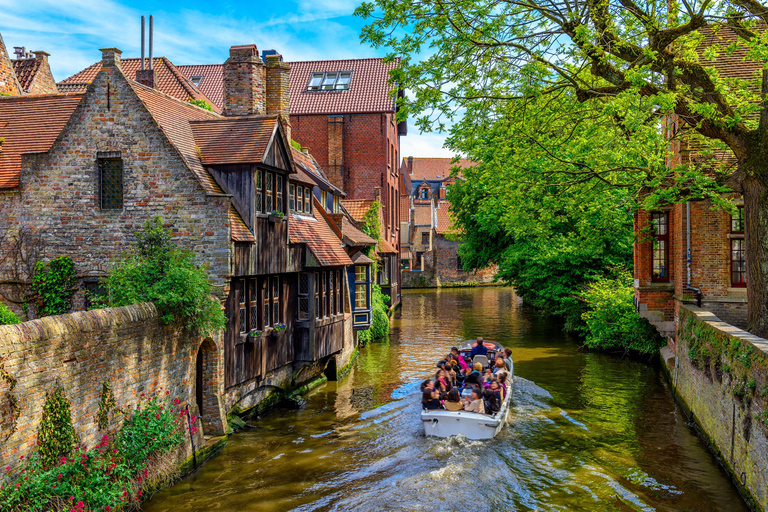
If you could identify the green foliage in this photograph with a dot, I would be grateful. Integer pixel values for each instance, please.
(295, 145)
(372, 224)
(7, 317)
(54, 285)
(112, 476)
(380, 325)
(156, 271)
(611, 320)
(201, 103)
(106, 404)
(56, 435)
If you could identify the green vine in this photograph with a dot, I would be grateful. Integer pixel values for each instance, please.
(56, 434)
(380, 325)
(13, 400)
(106, 404)
(200, 103)
(54, 285)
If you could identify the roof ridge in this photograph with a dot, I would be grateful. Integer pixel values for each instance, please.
(337, 60)
(235, 118)
(24, 97)
(134, 84)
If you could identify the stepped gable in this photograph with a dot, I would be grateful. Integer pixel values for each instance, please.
(72, 87)
(234, 140)
(212, 83)
(319, 237)
(30, 124)
(170, 80)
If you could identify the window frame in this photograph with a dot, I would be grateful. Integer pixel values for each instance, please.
(657, 238)
(102, 161)
(269, 192)
(242, 318)
(259, 191)
(292, 197)
(325, 81)
(303, 295)
(279, 185)
(317, 296)
(738, 239)
(275, 299)
(425, 234)
(307, 201)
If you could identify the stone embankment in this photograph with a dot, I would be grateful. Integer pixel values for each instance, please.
(720, 375)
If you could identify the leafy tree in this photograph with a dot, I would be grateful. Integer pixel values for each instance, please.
(156, 270)
(631, 64)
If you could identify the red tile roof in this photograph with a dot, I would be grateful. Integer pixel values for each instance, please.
(30, 124)
(444, 218)
(169, 79)
(357, 208)
(385, 247)
(236, 140)
(369, 90)
(26, 70)
(240, 232)
(353, 236)
(422, 215)
(435, 169)
(76, 87)
(174, 118)
(313, 171)
(319, 238)
(405, 208)
(212, 84)
(735, 64)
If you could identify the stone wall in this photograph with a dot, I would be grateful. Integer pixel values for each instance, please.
(721, 376)
(441, 268)
(128, 348)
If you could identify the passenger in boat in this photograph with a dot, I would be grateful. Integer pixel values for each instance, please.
(476, 404)
(449, 369)
(443, 381)
(457, 357)
(475, 377)
(500, 367)
(490, 403)
(503, 385)
(430, 399)
(453, 402)
(508, 359)
(479, 349)
(496, 390)
(427, 384)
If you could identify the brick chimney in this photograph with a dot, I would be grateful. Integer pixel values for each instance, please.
(244, 88)
(410, 165)
(9, 84)
(278, 101)
(147, 77)
(110, 57)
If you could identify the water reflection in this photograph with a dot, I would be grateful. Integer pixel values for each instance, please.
(587, 432)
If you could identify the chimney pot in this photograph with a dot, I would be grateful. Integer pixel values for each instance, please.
(41, 55)
(305, 150)
(110, 57)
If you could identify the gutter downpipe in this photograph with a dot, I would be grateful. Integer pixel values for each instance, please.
(688, 262)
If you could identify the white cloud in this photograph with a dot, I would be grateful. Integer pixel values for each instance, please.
(424, 145)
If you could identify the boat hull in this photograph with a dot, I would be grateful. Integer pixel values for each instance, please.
(442, 423)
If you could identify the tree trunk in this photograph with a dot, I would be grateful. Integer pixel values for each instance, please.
(756, 237)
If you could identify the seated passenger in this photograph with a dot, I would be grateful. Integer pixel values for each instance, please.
(451, 372)
(492, 405)
(458, 358)
(427, 384)
(496, 388)
(508, 359)
(453, 402)
(475, 377)
(430, 400)
(442, 381)
(500, 366)
(478, 349)
(476, 404)
(503, 385)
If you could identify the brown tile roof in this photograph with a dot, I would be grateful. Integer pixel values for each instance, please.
(26, 70)
(313, 171)
(386, 248)
(319, 238)
(174, 118)
(422, 215)
(169, 79)
(357, 208)
(301, 176)
(236, 140)
(435, 169)
(30, 124)
(444, 218)
(353, 236)
(368, 89)
(240, 232)
(76, 87)
(212, 82)
(405, 208)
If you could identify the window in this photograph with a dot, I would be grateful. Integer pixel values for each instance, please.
(330, 81)
(241, 309)
(300, 199)
(738, 250)
(424, 193)
(259, 184)
(385, 270)
(111, 183)
(660, 254)
(324, 297)
(335, 204)
(307, 200)
(331, 294)
(269, 192)
(292, 197)
(419, 258)
(279, 193)
(338, 292)
(265, 300)
(253, 301)
(317, 295)
(459, 265)
(425, 238)
(196, 79)
(275, 300)
(361, 287)
(324, 199)
(303, 296)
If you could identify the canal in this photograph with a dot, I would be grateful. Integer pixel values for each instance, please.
(587, 431)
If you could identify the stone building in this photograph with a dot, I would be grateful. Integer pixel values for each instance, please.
(85, 170)
(343, 111)
(431, 247)
(28, 73)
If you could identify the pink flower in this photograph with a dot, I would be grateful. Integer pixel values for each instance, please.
(59, 476)
(18, 485)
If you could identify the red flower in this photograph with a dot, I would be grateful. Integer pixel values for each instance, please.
(59, 476)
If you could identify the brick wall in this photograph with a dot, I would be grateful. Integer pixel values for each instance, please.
(277, 101)
(43, 82)
(128, 348)
(731, 424)
(244, 82)
(441, 268)
(8, 82)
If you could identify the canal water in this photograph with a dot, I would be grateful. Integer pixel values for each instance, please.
(587, 432)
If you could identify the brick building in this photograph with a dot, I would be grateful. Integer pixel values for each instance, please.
(28, 73)
(689, 253)
(344, 112)
(431, 254)
(84, 170)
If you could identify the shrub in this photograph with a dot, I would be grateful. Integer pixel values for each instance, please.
(54, 285)
(7, 317)
(380, 321)
(56, 434)
(611, 319)
(201, 103)
(157, 271)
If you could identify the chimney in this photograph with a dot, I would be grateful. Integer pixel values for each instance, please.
(110, 57)
(244, 90)
(40, 55)
(305, 150)
(148, 76)
(410, 165)
(442, 191)
(277, 90)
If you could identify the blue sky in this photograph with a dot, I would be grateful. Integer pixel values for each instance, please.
(72, 31)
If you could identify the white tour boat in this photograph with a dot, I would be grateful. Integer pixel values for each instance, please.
(444, 423)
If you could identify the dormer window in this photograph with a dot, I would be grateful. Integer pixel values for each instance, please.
(424, 193)
(330, 81)
(196, 79)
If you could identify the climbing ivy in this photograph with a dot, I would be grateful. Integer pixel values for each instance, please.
(13, 400)
(54, 285)
(106, 404)
(56, 434)
(7, 316)
(379, 301)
